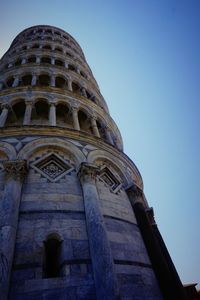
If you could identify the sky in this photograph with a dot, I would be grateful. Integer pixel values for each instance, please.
(145, 56)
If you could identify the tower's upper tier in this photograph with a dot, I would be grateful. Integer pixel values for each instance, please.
(47, 59)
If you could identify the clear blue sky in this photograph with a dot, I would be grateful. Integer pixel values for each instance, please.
(145, 55)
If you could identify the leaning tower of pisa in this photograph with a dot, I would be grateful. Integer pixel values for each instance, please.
(74, 221)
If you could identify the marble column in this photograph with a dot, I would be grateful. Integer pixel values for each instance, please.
(38, 60)
(179, 292)
(83, 92)
(28, 111)
(53, 60)
(53, 81)
(24, 61)
(108, 135)
(157, 259)
(76, 124)
(78, 70)
(9, 211)
(16, 81)
(95, 129)
(100, 251)
(4, 114)
(69, 84)
(52, 114)
(34, 80)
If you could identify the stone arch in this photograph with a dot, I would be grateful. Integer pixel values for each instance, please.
(58, 49)
(8, 150)
(101, 128)
(52, 143)
(16, 114)
(63, 116)
(52, 256)
(10, 81)
(35, 46)
(18, 62)
(41, 112)
(101, 157)
(31, 59)
(47, 47)
(45, 59)
(26, 79)
(60, 81)
(84, 120)
(59, 62)
(44, 79)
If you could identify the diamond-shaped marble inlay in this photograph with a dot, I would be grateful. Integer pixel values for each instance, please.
(52, 166)
(107, 177)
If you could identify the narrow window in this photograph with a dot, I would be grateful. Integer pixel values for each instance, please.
(52, 258)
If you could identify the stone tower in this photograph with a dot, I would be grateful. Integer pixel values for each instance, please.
(74, 222)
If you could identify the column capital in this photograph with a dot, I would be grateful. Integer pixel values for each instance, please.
(29, 102)
(52, 103)
(93, 117)
(88, 172)
(136, 194)
(135, 190)
(5, 105)
(15, 168)
(74, 108)
(150, 214)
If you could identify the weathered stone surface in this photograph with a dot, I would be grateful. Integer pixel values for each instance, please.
(55, 118)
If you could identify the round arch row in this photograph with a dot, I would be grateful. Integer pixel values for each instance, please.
(44, 59)
(44, 79)
(8, 152)
(50, 45)
(43, 112)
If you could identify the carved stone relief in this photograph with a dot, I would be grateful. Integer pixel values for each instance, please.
(52, 166)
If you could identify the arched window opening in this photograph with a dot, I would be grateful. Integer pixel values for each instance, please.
(31, 59)
(83, 74)
(47, 47)
(84, 122)
(18, 62)
(101, 129)
(43, 80)
(60, 82)
(39, 30)
(71, 67)
(69, 54)
(63, 116)
(2, 85)
(59, 62)
(75, 88)
(52, 251)
(26, 80)
(48, 31)
(18, 111)
(57, 33)
(45, 60)
(10, 81)
(24, 48)
(35, 46)
(58, 49)
(40, 114)
(88, 95)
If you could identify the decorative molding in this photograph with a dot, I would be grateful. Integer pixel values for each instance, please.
(52, 166)
(110, 180)
(88, 172)
(16, 169)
